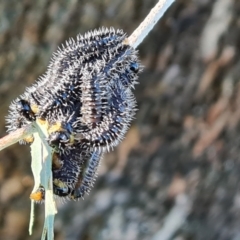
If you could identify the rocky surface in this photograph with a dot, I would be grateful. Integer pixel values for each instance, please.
(176, 174)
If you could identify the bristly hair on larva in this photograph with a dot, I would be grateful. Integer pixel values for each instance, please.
(86, 99)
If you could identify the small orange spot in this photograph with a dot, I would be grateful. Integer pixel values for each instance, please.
(37, 196)
(125, 41)
(59, 183)
(57, 127)
(34, 108)
(72, 139)
(29, 139)
(42, 121)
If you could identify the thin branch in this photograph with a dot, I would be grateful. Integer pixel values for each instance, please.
(149, 22)
(16, 136)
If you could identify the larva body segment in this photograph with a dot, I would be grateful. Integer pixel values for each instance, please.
(111, 130)
(87, 175)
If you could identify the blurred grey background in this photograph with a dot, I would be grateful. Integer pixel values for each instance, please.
(177, 173)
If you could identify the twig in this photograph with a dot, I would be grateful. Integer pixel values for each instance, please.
(16, 136)
(148, 23)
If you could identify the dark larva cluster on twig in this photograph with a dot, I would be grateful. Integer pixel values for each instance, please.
(86, 99)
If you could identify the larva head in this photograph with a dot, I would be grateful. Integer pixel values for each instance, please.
(60, 188)
(23, 107)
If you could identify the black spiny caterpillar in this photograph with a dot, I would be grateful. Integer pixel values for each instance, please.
(86, 98)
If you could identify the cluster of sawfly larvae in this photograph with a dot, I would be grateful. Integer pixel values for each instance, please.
(86, 100)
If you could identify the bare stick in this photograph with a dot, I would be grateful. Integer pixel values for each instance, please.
(148, 23)
(16, 136)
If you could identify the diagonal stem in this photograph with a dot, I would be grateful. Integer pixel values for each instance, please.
(148, 23)
(16, 136)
